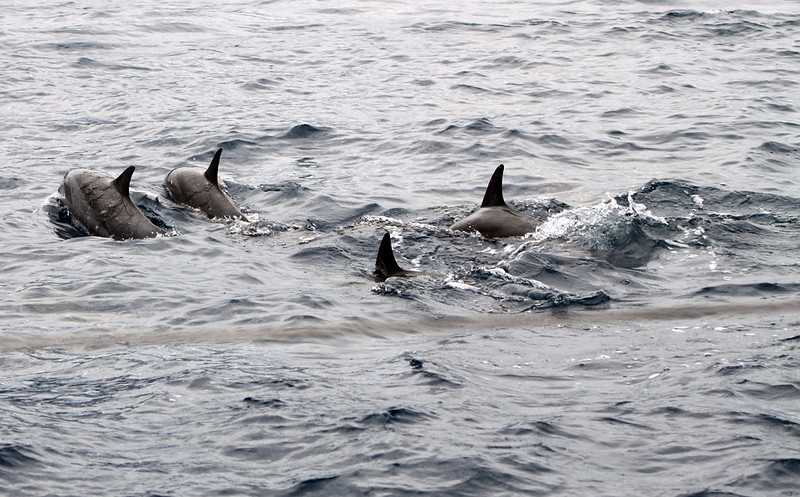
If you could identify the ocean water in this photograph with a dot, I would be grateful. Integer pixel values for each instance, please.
(644, 340)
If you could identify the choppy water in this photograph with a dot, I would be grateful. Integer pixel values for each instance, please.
(643, 341)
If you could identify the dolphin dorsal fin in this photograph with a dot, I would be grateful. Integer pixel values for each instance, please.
(385, 263)
(123, 182)
(494, 192)
(213, 168)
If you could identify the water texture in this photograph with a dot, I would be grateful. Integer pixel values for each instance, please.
(643, 340)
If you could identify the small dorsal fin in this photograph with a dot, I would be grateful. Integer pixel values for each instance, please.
(213, 168)
(123, 181)
(494, 192)
(385, 263)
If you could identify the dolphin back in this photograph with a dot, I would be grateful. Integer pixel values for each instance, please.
(495, 219)
(200, 189)
(103, 205)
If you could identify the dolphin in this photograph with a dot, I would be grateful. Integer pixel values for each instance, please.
(386, 265)
(495, 219)
(201, 189)
(104, 206)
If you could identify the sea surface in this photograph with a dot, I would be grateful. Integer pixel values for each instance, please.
(643, 341)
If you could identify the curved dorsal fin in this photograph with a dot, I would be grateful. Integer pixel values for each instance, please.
(385, 263)
(494, 192)
(123, 182)
(213, 168)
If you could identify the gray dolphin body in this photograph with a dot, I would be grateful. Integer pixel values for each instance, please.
(103, 205)
(201, 189)
(495, 219)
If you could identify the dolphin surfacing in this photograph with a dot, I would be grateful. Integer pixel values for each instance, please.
(495, 219)
(103, 205)
(386, 265)
(201, 189)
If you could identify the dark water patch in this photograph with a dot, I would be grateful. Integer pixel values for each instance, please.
(505, 61)
(432, 374)
(712, 493)
(269, 403)
(675, 198)
(681, 14)
(455, 26)
(773, 147)
(82, 30)
(781, 108)
(549, 139)
(395, 416)
(767, 421)
(282, 381)
(777, 475)
(480, 126)
(632, 248)
(624, 112)
(782, 468)
(730, 29)
(16, 457)
(80, 46)
(302, 131)
(89, 63)
(546, 94)
(230, 144)
(472, 89)
(766, 84)
(261, 453)
(262, 84)
(336, 215)
(275, 422)
(747, 290)
(550, 277)
(766, 391)
(323, 255)
(662, 89)
(674, 411)
(538, 428)
(476, 475)
(293, 27)
(324, 485)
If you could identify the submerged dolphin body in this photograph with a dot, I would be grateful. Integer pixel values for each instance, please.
(495, 219)
(386, 265)
(103, 205)
(201, 189)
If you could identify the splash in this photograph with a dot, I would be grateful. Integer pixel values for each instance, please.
(599, 227)
(254, 226)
